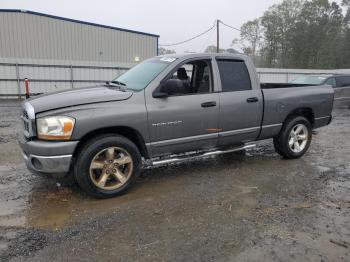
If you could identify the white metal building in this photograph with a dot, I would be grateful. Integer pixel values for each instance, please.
(59, 53)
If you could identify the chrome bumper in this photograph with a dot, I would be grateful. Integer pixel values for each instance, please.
(48, 164)
(47, 157)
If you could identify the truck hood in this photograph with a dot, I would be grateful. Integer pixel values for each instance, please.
(77, 96)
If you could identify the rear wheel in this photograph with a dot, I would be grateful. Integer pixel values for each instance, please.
(294, 139)
(107, 165)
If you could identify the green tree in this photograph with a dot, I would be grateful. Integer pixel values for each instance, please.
(320, 28)
(212, 49)
(279, 25)
(231, 51)
(346, 41)
(251, 32)
(301, 34)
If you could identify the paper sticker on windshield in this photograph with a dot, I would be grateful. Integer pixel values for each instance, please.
(168, 59)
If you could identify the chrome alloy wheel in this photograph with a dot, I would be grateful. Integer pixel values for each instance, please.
(298, 138)
(111, 168)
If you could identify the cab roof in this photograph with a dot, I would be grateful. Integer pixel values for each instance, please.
(195, 55)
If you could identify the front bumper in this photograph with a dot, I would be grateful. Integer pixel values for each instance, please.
(48, 164)
(48, 157)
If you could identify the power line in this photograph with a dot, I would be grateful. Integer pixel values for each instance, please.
(235, 28)
(239, 30)
(192, 38)
(209, 39)
(216, 24)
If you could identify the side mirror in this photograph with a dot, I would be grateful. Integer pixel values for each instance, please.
(169, 87)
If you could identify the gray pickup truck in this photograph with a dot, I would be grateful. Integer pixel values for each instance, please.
(166, 109)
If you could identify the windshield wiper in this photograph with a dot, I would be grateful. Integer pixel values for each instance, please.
(116, 84)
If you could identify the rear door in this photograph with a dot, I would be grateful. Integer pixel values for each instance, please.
(241, 103)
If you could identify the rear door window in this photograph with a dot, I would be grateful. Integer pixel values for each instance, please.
(331, 81)
(343, 81)
(234, 75)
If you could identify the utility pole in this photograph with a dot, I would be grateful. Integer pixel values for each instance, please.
(217, 36)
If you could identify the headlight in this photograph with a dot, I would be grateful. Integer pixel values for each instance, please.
(55, 127)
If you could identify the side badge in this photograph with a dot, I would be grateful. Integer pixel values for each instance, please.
(280, 107)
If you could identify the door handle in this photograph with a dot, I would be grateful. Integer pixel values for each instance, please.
(208, 104)
(252, 100)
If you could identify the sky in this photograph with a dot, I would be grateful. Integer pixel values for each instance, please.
(174, 21)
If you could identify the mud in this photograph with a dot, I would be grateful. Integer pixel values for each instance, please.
(253, 206)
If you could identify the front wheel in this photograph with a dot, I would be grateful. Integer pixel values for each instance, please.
(107, 165)
(294, 139)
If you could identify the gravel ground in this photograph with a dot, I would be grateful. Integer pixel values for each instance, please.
(251, 206)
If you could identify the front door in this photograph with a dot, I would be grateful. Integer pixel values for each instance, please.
(187, 119)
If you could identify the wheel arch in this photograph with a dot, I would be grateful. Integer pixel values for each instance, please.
(306, 112)
(132, 134)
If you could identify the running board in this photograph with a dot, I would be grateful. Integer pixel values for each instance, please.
(207, 154)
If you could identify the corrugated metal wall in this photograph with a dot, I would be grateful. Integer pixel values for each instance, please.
(36, 37)
(57, 53)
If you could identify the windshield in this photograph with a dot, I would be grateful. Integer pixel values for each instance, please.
(138, 77)
(309, 80)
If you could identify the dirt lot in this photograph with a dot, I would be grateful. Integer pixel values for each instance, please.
(237, 207)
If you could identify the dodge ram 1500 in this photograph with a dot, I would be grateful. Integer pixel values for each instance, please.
(163, 110)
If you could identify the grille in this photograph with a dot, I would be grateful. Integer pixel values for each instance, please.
(26, 123)
(28, 119)
(26, 126)
(25, 114)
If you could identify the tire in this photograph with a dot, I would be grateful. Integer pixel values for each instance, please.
(288, 143)
(107, 165)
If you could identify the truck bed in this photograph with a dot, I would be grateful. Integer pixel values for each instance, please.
(341, 94)
(280, 85)
(281, 99)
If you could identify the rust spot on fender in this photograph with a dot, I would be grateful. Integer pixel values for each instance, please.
(214, 129)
